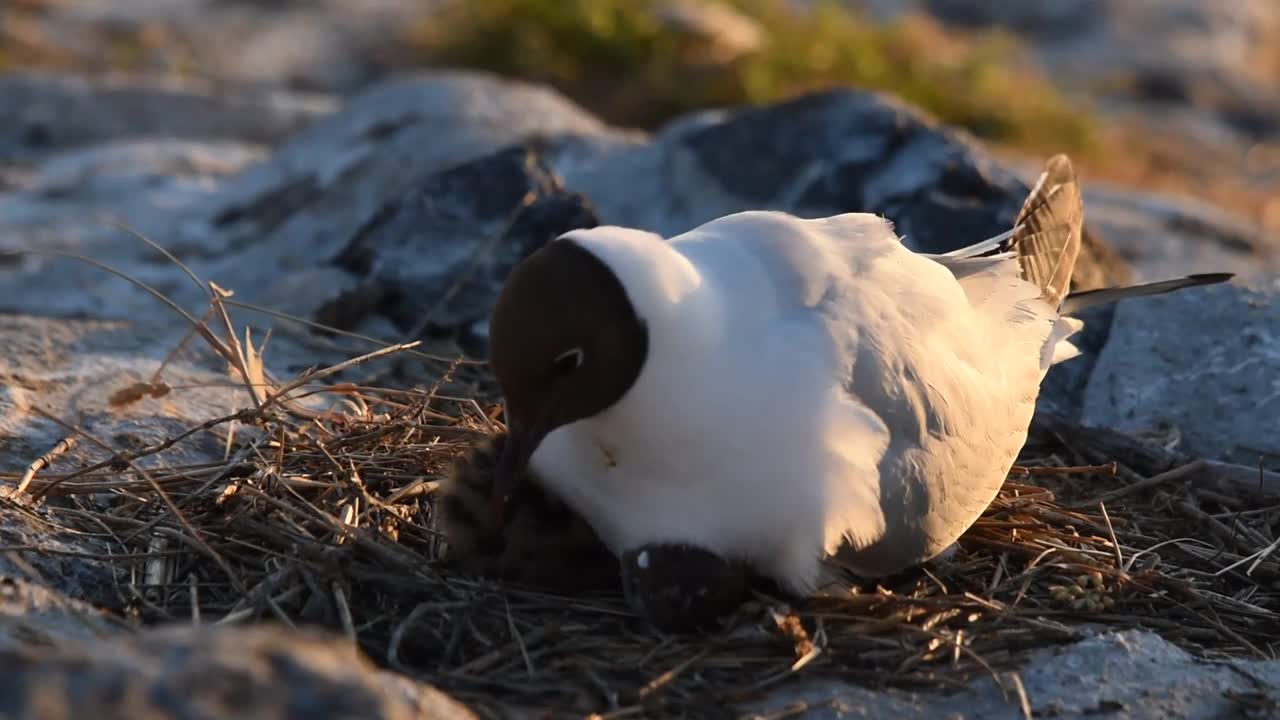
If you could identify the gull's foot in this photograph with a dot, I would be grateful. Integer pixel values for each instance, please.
(682, 588)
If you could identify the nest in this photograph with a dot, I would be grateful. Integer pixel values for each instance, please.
(326, 517)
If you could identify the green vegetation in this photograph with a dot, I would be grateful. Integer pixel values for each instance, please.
(625, 62)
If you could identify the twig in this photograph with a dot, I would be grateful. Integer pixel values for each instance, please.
(63, 446)
(1109, 469)
(490, 658)
(515, 633)
(1173, 475)
(128, 456)
(240, 361)
(1024, 702)
(1234, 479)
(195, 280)
(1115, 544)
(195, 599)
(334, 369)
(661, 680)
(346, 333)
(344, 611)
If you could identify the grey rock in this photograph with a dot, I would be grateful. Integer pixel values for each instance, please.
(436, 257)
(207, 673)
(328, 46)
(1053, 20)
(71, 368)
(121, 180)
(32, 615)
(823, 153)
(42, 112)
(1204, 69)
(1201, 363)
(67, 565)
(1229, 40)
(270, 230)
(1161, 237)
(1123, 676)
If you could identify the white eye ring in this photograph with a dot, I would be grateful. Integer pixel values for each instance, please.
(574, 355)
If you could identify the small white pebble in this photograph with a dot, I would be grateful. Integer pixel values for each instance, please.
(642, 560)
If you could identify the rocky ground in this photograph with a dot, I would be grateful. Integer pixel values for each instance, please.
(1195, 82)
(364, 210)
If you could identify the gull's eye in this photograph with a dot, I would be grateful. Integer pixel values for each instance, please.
(568, 361)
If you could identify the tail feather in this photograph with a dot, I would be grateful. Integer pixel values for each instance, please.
(1046, 235)
(1045, 241)
(987, 248)
(1075, 302)
(1059, 348)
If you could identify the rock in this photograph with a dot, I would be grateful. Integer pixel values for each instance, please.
(206, 673)
(1053, 20)
(34, 616)
(270, 231)
(71, 369)
(1161, 237)
(824, 153)
(119, 179)
(42, 112)
(1131, 675)
(1229, 40)
(1203, 362)
(437, 256)
(64, 568)
(1203, 76)
(829, 152)
(322, 46)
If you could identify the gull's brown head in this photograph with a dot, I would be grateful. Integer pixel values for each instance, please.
(565, 344)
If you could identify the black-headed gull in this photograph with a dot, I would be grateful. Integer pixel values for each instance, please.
(777, 390)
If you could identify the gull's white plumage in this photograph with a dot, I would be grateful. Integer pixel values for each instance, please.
(815, 388)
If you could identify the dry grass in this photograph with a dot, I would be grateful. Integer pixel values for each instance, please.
(326, 517)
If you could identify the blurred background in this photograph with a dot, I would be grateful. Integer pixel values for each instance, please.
(1176, 96)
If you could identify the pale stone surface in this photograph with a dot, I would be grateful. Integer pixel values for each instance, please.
(206, 673)
(1116, 676)
(1203, 363)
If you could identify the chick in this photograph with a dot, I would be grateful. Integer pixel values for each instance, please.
(544, 543)
(683, 588)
